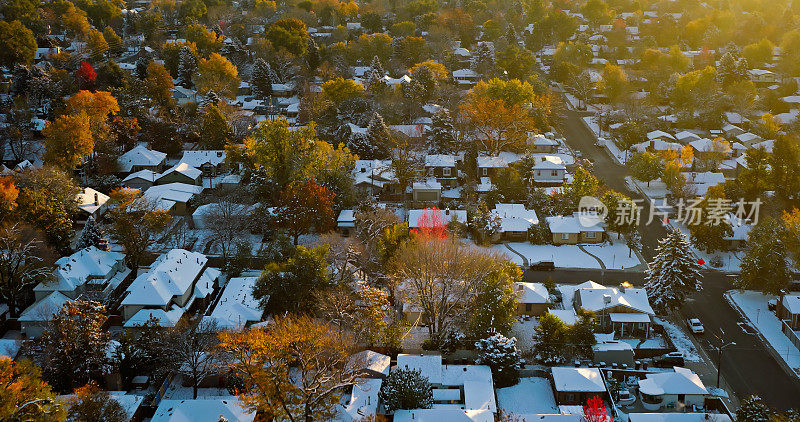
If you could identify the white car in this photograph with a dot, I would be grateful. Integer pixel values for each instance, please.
(625, 397)
(695, 325)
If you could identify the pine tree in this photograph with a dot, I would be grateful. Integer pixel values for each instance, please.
(406, 389)
(92, 235)
(485, 223)
(261, 80)
(674, 273)
(312, 56)
(375, 67)
(374, 76)
(211, 99)
(378, 137)
(442, 135)
(500, 353)
(764, 266)
(550, 335)
(141, 66)
(483, 60)
(187, 66)
(753, 409)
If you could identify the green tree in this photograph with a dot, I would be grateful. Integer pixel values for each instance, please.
(709, 232)
(159, 86)
(98, 46)
(24, 396)
(753, 409)
(551, 336)
(516, 62)
(583, 184)
(785, 162)
(674, 273)
(500, 353)
(495, 304)
(290, 34)
(47, 202)
(645, 166)
(406, 389)
(217, 74)
(114, 41)
(207, 42)
(764, 266)
(614, 82)
(135, 223)
(17, 44)
(215, 128)
(290, 286)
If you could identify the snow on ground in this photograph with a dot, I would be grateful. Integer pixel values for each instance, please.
(594, 127)
(754, 307)
(731, 262)
(564, 256)
(681, 340)
(176, 391)
(523, 330)
(656, 191)
(614, 255)
(530, 396)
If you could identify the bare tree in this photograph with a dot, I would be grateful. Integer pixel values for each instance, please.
(227, 220)
(342, 254)
(25, 260)
(194, 348)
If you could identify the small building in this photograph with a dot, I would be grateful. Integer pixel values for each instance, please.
(466, 77)
(549, 170)
(370, 364)
(91, 203)
(613, 351)
(88, 271)
(574, 386)
(542, 144)
(576, 228)
(442, 167)
(435, 215)
(790, 311)
(346, 222)
(236, 307)
(180, 173)
(210, 162)
(34, 320)
(428, 190)
(532, 299)
(680, 390)
(625, 309)
(515, 221)
(142, 179)
(141, 158)
(660, 134)
(172, 197)
(489, 166)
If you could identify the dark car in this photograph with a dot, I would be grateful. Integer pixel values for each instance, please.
(669, 360)
(543, 266)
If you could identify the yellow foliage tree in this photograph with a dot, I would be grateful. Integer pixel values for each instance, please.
(23, 394)
(217, 74)
(68, 140)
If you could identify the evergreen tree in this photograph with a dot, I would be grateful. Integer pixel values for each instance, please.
(187, 66)
(551, 336)
(494, 308)
(674, 273)
(406, 389)
(484, 223)
(378, 137)
(312, 56)
(483, 60)
(141, 66)
(764, 266)
(500, 353)
(753, 409)
(442, 135)
(261, 80)
(92, 235)
(375, 67)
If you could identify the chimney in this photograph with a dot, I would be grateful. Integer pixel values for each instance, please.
(96, 199)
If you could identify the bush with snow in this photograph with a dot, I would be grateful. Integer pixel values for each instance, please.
(500, 353)
(406, 389)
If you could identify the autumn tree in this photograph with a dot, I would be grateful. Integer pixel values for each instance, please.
(17, 44)
(645, 166)
(217, 74)
(85, 76)
(304, 206)
(46, 201)
(72, 350)
(614, 82)
(25, 262)
(90, 403)
(97, 45)
(136, 223)
(293, 369)
(68, 140)
(159, 85)
(595, 410)
(24, 396)
(290, 286)
(8, 197)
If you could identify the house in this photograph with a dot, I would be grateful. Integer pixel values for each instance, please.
(141, 158)
(790, 310)
(542, 144)
(658, 145)
(203, 409)
(576, 228)
(731, 131)
(370, 364)
(709, 150)
(374, 176)
(488, 166)
(35, 318)
(180, 173)
(236, 307)
(549, 170)
(91, 203)
(172, 197)
(625, 309)
(684, 137)
(171, 285)
(346, 222)
(680, 389)
(466, 77)
(443, 415)
(210, 162)
(428, 190)
(532, 299)
(88, 271)
(763, 76)
(362, 402)
(435, 216)
(515, 221)
(613, 352)
(701, 181)
(748, 139)
(230, 211)
(442, 167)
(142, 179)
(660, 134)
(574, 386)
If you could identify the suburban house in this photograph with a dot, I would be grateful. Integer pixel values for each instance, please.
(626, 309)
(574, 386)
(373, 176)
(362, 401)
(549, 170)
(91, 203)
(172, 197)
(35, 318)
(790, 311)
(428, 190)
(515, 221)
(532, 299)
(169, 288)
(575, 228)
(141, 179)
(210, 162)
(442, 167)
(217, 408)
(660, 134)
(141, 158)
(89, 271)
(489, 166)
(466, 77)
(180, 173)
(346, 222)
(370, 364)
(542, 144)
(236, 307)
(681, 389)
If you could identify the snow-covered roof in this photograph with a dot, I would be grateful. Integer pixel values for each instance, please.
(427, 184)
(175, 192)
(363, 401)
(445, 216)
(202, 410)
(531, 293)
(430, 366)
(567, 316)
(685, 135)
(465, 73)
(598, 299)
(372, 361)
(164, 318)
(550, 162)
(140, 156)
(707, 145)
(74, 270)
(578, 379)
(440, 160)
(184, 169)
(515, 217)
(500, 161)
(748, 138)
(678, 417)
(792, 303)
(629, 317)
(147, 175)
(443, 415)
(347, 218)
(172, 274)
(609, 345)
(682, 381)
(574, 223)
(541, 140)
(90, 200)
(659, 134)
(658, 145)
(236, 305)
(44, 309)
(199, 158)
(129, 402)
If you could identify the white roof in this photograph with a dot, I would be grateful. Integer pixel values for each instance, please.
(705, 145)
(612, 345)
(628, 317)
(164, 318)
(531, 292)
(347, 218)
(658, 145)
(748, 137)
(792, 303)
(515, 217)
(202, 410)
(175, 192)
(86, 200)
(427, 184)
(184, 169)
(578, 379)
(594, 299)
(500, 161)
(363, 400)
(540, 139)
(465, 73)
(550, 162)
(443, 415)
(236, 305)
(199, 158)
(656, 134)
(172, 274)
(678, 417)
(74, 270)
(573, 224)
(373, 361)
(148, 175)
(685, 135)
(140, 156)
(44, 309)
(445, 216)
(567, 316)
(430, 366)
(682, 381)
(440, 160)
(129, 402)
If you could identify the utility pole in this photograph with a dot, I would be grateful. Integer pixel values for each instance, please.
(720, 349)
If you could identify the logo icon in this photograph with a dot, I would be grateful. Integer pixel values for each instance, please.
(591, 211)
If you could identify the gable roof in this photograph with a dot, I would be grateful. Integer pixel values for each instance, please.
(578, 379)
(531, 293)
(200, 410)
(140, 156)
(682, 381)
(199, 158)
(86, 200)
(515, 217)
(236, 305)
(172, 274)
(44, 309)
(74, 270)
(594, 299)
(184, 169)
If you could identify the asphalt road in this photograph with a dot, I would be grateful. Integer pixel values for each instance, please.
(749, 367)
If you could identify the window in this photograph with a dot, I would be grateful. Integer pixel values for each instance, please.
(446, 171)
(528, 307)
(430, 171)
(554, 173)
(590, 235)
(538, 172)
(484, 171)
(564, 236)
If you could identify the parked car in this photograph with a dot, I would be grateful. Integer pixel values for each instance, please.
(625, 397)
(669, 360)
(695, 325)
(543, 266)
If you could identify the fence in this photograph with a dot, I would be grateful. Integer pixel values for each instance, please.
(790, 334)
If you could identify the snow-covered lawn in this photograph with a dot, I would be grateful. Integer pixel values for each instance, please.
(681, 340)
(614, 255)
(564, 256)
(531, 396)
(176, 391)
(523, 330)
(731, 260)
(656, 191)
(754, 307)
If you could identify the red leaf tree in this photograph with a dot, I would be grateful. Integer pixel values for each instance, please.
(304, 206)
(595, 410)
(85, 75)
(431, 224)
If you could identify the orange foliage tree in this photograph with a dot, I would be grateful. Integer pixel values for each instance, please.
(305, 206)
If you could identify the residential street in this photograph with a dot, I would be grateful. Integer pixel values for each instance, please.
(749, 367)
